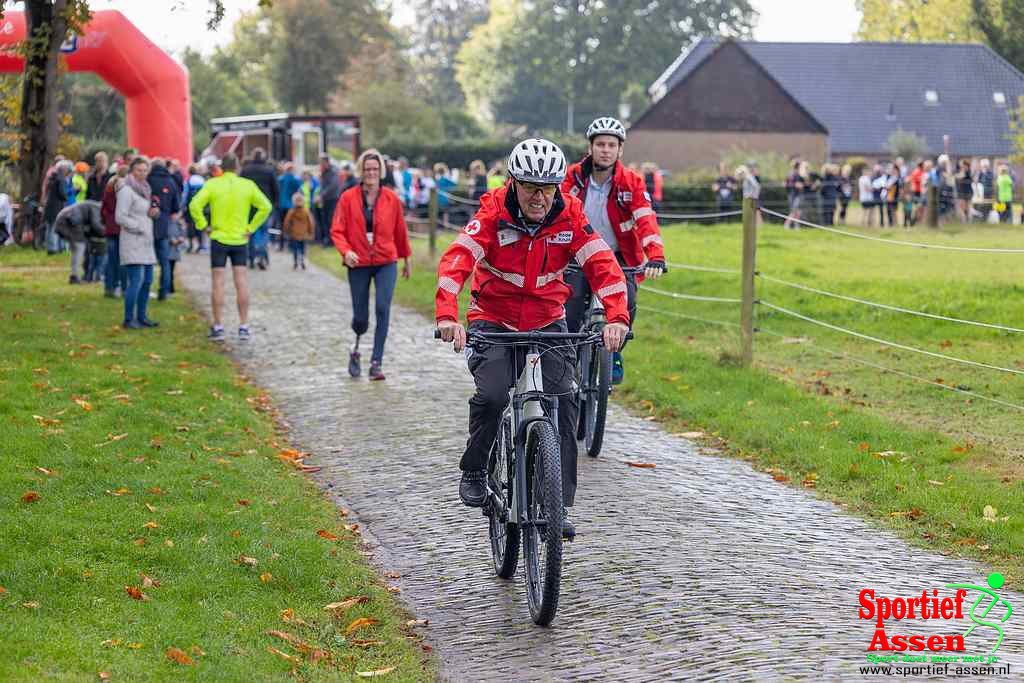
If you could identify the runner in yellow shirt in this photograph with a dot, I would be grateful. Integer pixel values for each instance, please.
(230, 198)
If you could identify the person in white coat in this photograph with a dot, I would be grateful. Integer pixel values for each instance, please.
(135, 213)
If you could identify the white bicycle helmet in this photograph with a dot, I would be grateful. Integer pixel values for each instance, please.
(606, 125)
(537, 161)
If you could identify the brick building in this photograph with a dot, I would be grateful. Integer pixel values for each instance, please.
(825, 101)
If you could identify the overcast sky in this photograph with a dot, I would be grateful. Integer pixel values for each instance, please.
(179, 24)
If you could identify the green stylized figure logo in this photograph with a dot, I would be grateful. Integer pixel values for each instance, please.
(995, 580)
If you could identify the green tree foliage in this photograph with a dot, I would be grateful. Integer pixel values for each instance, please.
(531, 60)
(312, 43)
(96, 109)
(917, 21)
(440, 29)
(1001, 22)
(232, 81)
(906, 144)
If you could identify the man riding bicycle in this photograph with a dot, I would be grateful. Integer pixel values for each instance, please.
(618, 207)
(516, 247)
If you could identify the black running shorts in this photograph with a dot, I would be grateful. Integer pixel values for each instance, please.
(220, 253)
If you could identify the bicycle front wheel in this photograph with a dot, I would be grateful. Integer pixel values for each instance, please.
(543, 528)
(583, 381)
(599, 386)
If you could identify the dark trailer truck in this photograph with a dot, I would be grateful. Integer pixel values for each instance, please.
(300, 139)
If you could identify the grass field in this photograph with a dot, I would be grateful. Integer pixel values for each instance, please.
(155, 527)
(941, 468)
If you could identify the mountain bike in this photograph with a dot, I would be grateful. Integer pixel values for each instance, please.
(594, 375)
(524, 482)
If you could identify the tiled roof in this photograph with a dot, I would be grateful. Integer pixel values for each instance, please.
(862, 92)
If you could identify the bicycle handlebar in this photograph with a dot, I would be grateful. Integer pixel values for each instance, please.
(532, 336)
(626, 270)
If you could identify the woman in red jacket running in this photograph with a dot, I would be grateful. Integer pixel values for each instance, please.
(370, 234)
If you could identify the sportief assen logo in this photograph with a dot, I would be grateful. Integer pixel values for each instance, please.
(946, 612)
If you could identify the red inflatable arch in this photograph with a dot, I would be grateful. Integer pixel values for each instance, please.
(155, 87)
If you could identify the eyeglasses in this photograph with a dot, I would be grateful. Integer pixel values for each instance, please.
(532, 189)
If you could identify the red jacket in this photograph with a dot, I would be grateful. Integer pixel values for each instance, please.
(517, 278)
(629, 211)
(390, 236)
(107, 208)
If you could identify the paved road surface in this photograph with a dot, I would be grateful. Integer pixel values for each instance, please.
(700, 569)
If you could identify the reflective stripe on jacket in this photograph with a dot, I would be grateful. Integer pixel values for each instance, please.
(517, 277)
(629, 211)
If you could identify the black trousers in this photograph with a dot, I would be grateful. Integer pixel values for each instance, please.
(494, 372)
(579, 300)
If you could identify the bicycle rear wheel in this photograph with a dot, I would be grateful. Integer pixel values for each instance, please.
(599, 387)
(503, 531)
(543, 531)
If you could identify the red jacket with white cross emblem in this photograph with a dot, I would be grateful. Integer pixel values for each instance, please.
(517, 277)
(629, 211)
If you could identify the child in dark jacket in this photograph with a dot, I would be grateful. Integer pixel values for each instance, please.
(298, 227)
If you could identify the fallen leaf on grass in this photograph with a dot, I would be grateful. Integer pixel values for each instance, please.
(236, 533)
(324, 533)
(29, 497)
(45, 471)
(104, 675)
(119, 492)
(691, 435)
(31, 604)
(913, 513)
(291, 638)
(181, 428)
(151, 508)
(864, 446)
(284, 655)
(346, 604)
(153, 356)
(178, 656)
(266, 577)
(365, 643)
(111, 438)
(811, 480)
(248, 561)
(378, 672)
(155, 490)
(82, 403)
(169, 543)
(417, 622)
(147, 582)
(135, 593)
(134, 646)
(175, 392)
(354, 528)
(990, 515)
(393, 575)
(2, 590)
(645, 465)
(394, 589)
(966, 541)
(150, 525)
(244, 502)
(935, 483)
(361, 622)
(780, 478)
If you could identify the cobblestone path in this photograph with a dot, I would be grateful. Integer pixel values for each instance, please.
(699, 569)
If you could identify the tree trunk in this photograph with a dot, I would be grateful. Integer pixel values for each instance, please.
(46, 29)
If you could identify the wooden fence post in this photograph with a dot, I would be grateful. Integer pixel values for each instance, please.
(749, 268)
(932, 214)
(432, 213)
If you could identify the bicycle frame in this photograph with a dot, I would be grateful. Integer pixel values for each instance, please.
(527, 404)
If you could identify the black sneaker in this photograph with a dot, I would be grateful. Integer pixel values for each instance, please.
(132, 325)
(354, 367)
(216, 334)
(568, 530)
(73, 280)
(473, 488)
(244, 333)
(149, 323)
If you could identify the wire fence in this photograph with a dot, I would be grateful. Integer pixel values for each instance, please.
(689, 297)
(918, 245)
(902, 373)
(888, 307)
